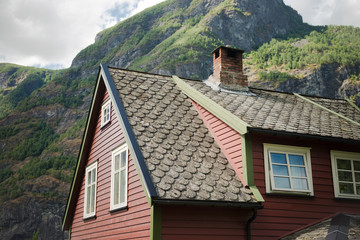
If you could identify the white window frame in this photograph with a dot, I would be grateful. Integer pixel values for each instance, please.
(285, 149)
(118, 151)
(105, 111)
(346, 156)
(88, 187)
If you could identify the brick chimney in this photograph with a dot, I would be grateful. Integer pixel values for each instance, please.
(228, 69)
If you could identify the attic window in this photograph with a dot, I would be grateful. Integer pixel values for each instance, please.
(287, 169)
(346, 174)
(105, 113)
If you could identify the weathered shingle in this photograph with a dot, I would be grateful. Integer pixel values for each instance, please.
(182, 157)
(286, 112)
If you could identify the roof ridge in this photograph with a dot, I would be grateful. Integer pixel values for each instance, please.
(141, 72)
(326, 109)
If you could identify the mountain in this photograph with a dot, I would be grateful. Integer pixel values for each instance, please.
(43, 112)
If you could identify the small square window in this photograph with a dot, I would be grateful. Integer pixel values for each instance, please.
(287, 169)
(90, 190)
(119, 175)
(105, 113)
(346, 174)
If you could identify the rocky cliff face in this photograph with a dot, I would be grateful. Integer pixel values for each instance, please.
(330, 80)
(202, 26)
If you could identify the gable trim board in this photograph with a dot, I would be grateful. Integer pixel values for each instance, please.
(326, 109)
(129, 136)
(231, 120)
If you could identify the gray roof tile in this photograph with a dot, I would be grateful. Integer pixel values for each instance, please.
(286, 112)
(182, 157)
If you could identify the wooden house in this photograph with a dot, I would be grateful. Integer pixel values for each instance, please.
(170, 158)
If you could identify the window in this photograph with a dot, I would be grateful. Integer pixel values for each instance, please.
(90, 191)
(119, 175)
(288, 169)
(105, 113)
(346, 174)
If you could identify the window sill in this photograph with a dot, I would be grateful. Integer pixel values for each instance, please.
(290, 194)
(121, 209)
(85, 219)
(347, 199)
(104, 125)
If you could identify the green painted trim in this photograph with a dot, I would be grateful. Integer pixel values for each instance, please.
(226, 116)
(81, 149)
(155, 228)
(248, 166)
(326, 109)
(352, 104)
(70, 233)
(256, 193)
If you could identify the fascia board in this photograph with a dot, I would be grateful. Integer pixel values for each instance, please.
(129, 135)
(226, 116)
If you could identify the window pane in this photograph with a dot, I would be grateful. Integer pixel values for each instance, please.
(357, 165)
(89, 178)
(117, 157)
(300, 184)
(88, 199)
(282, 182)
(92, 202)
(346, 188)
(344, 164)
(280, 170)
(357, 177)
(345, 176)
(298, 172)
(358, 189)
(296, 160)
(116, 188)
(278, 158)
(122, 186)
(123, 159)
(93, 175)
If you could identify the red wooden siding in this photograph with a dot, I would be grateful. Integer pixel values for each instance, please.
(227, 138)
(203, 223)
(284, 214)
(133, 223)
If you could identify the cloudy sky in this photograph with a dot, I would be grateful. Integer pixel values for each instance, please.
(49, 33)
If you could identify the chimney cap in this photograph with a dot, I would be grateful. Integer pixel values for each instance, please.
(229, 47)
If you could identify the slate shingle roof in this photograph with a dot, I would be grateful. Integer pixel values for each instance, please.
(182, 157)
(286, 112)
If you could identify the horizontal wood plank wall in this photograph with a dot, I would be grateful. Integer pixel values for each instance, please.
(284, 214)
(226, 137)
(133, 223)
(203, 223)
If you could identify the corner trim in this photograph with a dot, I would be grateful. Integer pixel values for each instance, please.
(213, 107)
(156, 224)
(248, 166)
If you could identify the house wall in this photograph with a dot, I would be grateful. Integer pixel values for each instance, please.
(203, 223)
(226, 137)
(133, 223)
(283, 214)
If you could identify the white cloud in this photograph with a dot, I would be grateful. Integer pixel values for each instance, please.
(328, 12)
(52, 32)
